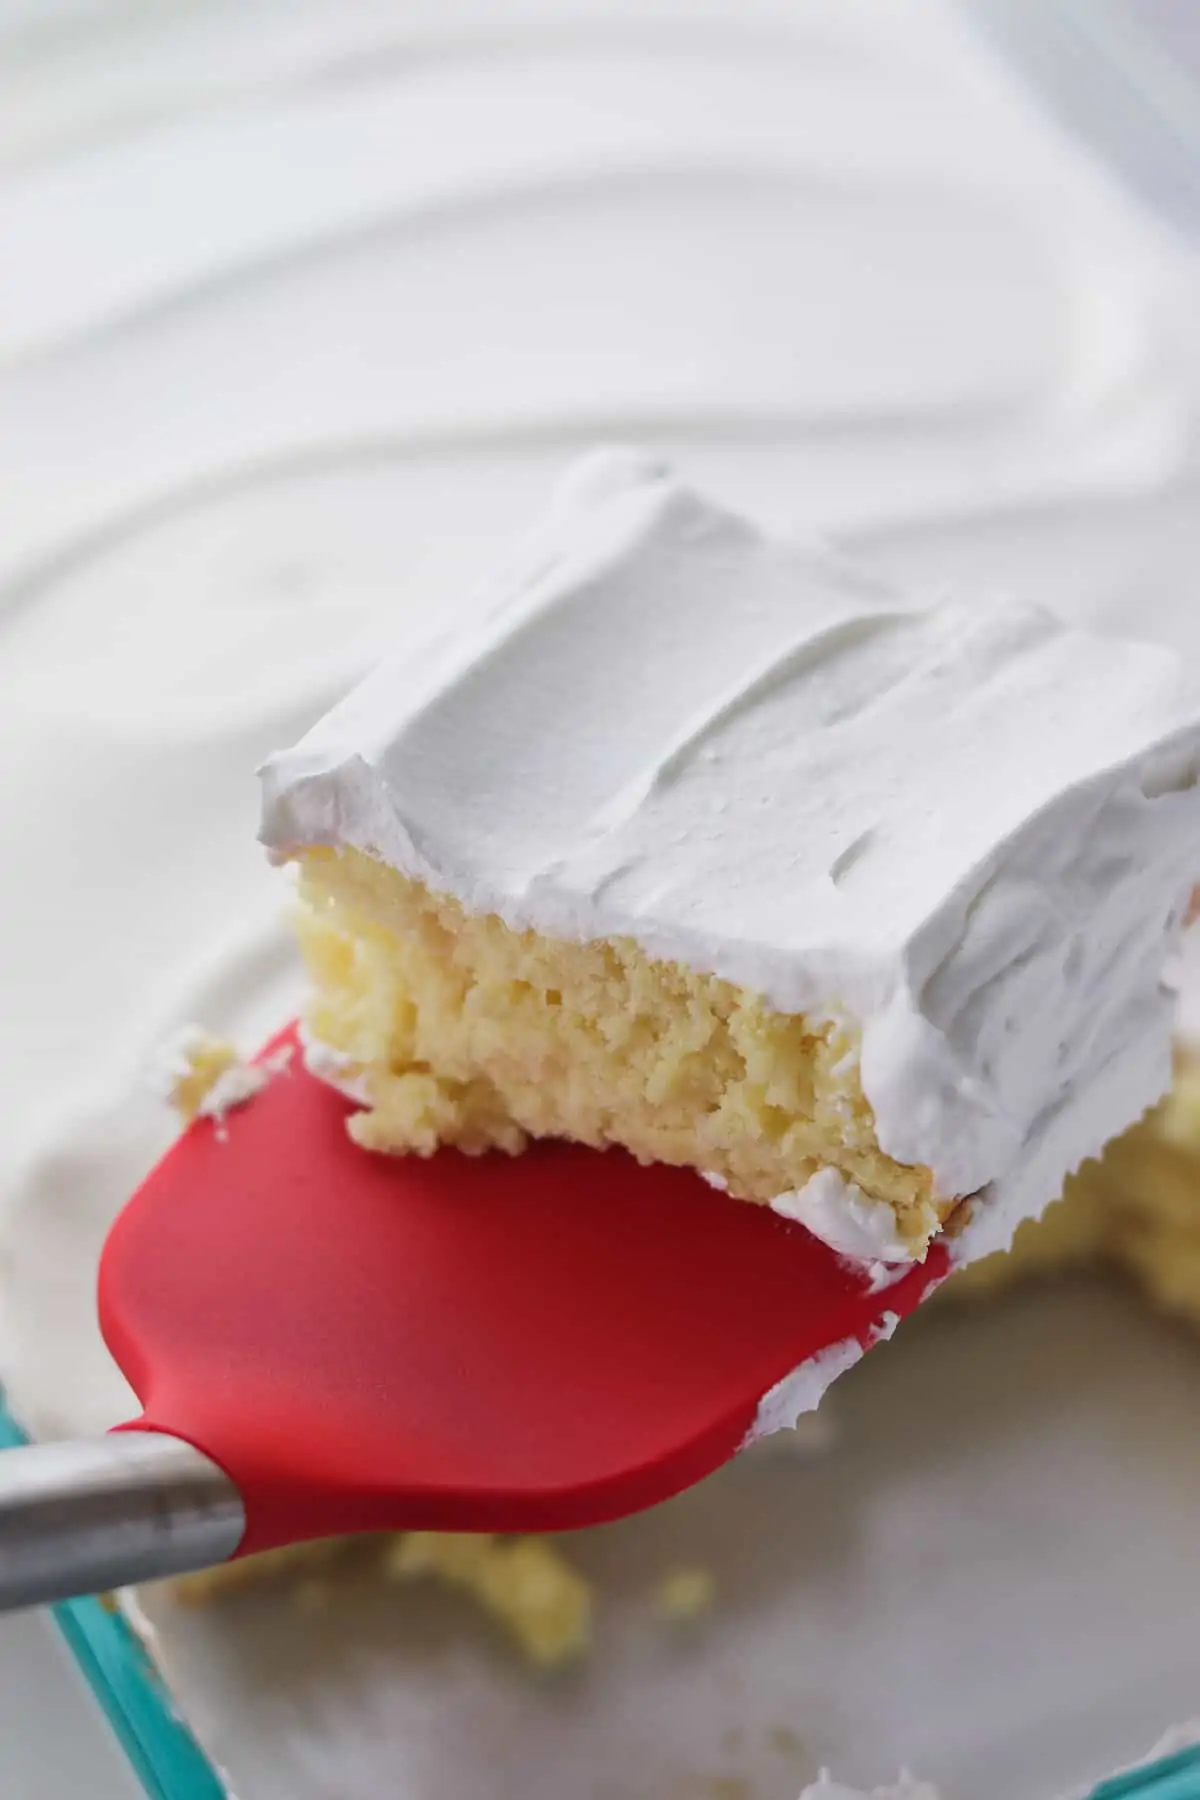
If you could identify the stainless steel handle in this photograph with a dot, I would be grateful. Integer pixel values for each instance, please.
(84, 1517)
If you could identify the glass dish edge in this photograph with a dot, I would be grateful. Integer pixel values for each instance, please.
(114, 1663)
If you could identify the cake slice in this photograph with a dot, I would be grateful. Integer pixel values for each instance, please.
(707, 845)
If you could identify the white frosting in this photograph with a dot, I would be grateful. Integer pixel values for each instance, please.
(333, 1067)
(1118, 1092)
(802, 1391)
(969, 827)
(241, 1082)
(233, 1087)
(788, 1404)
(838, 1212)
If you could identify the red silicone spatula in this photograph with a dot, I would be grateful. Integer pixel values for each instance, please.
(326, 1341)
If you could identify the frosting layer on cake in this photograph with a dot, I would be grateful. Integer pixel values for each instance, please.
(969, 829)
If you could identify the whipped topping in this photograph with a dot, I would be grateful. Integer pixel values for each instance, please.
(969, 827)
(235, 1087)
(792, 1402)
(333, 1067)
(241, 1083)
(842, 1216)
(802, 1391)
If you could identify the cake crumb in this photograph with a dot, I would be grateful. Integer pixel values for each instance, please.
(524, 1583)
(265, 1565)
(190, 1066)
(466, 1031)
(685, 1594)
(204, 1076)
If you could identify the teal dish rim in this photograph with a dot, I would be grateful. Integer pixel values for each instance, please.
(161, 1750)
(1174, 1777)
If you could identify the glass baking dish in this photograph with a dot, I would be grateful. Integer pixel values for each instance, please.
(1127, 75)
(160, 1749)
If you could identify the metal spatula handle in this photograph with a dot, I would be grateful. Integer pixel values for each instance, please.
(80, 1518)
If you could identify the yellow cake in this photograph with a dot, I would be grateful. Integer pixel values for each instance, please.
(459, 1030)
